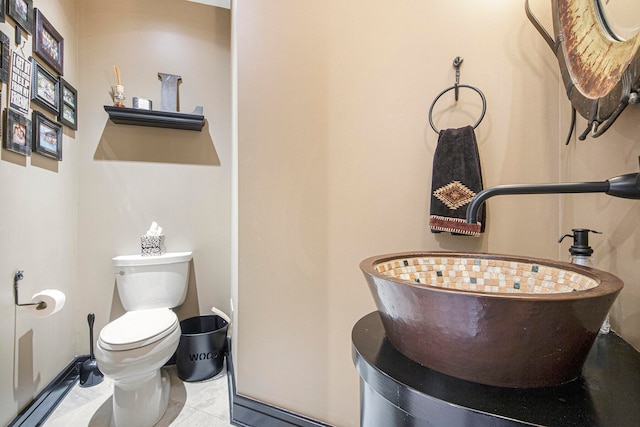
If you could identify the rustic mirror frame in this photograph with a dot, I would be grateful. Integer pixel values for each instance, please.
(601, 74)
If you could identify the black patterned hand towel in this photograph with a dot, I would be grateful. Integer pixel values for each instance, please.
(457, 177)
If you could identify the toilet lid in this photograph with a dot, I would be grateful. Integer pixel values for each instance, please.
(138, 328)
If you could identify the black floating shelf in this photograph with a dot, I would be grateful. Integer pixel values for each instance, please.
(154, 118)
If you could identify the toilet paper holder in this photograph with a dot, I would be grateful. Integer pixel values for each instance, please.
(40, 305)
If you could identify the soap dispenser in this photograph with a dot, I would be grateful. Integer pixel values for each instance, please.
(582, 254)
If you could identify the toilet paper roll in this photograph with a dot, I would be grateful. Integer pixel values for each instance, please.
(52, 297)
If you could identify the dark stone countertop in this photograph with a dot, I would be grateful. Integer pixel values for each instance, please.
(606, 394)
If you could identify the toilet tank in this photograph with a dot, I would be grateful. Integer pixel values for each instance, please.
(152, 281)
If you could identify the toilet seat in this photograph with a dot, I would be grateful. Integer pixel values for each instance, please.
(138, 328)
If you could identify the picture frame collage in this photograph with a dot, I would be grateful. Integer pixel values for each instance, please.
(35, 81)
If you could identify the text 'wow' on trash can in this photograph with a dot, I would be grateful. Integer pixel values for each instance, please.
(201, 350)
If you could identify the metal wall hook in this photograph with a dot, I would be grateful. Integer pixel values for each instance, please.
(40, 305)
(457, 61)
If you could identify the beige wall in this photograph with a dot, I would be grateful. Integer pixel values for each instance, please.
(334, 165)
(615, 153)
(38, 234)
(63, 222)
(617, 249)
(335, 158)
(131, 176)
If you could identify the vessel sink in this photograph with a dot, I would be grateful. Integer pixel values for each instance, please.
(500, 320)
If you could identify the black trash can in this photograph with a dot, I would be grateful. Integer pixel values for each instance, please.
(202, 347)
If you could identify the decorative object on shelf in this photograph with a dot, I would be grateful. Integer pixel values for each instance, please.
(48, 44)
(68, 114)
(169, 94)
(17, 133)
(4, 57)
(155, 118)
(166, 117)
(20, 85)
(142, 103)
(118, 90)
(118, 96)
(22, 12)
(45, 88)
(47, 136)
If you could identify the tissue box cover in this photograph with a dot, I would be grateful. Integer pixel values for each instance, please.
(152, 245)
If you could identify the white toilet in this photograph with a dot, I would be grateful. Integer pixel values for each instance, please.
(132, 349)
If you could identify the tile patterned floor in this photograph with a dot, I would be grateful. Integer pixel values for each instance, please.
(204, 403)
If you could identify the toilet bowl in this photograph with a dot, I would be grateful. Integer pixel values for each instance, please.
(132, 349)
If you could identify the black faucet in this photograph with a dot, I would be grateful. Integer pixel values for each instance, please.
(626, 186)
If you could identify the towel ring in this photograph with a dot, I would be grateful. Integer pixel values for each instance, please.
(484, 104)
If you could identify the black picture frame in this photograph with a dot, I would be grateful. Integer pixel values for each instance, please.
(47, 136)
(48, 44)
(20, 83)
(2, 11)
(5, 52)
(45, 87)
(17, 133)
(68, 112)
(22, 12)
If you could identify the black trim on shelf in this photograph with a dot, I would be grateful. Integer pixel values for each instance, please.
(247, 412)
(46, 402)
(154, 118)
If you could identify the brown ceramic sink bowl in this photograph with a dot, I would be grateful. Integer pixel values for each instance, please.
(493, 319)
